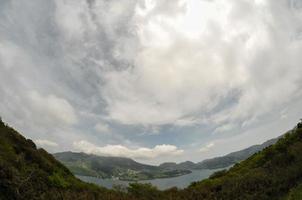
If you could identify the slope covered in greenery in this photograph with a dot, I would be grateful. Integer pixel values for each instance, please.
(273, 173)
(29, 173)
(295, 193)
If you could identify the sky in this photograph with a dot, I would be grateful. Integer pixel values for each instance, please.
(151, 80)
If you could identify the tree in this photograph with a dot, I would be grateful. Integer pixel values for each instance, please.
(300, 124)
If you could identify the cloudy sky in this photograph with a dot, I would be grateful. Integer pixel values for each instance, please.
(152, 80)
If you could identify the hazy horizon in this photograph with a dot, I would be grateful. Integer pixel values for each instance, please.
(155, 81)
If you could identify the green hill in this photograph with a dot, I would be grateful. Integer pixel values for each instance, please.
(274, 173)
(108, 167)
(28, 173)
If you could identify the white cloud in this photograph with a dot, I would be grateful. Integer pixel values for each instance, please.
(177, 77)
(122, 151)
(71, 16)
(207, 147)
(154, 63)
(102, 127)
(163, 8)
(51, 110)
(46, 143)
(224, 128)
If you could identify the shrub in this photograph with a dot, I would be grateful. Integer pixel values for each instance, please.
(58, 181)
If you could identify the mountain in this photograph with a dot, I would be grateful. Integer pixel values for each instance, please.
(219, 162)
(168, 165)
(234, 157)
(183, 165)
(114, 167)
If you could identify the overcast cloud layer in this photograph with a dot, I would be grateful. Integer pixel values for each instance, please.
(150, 79)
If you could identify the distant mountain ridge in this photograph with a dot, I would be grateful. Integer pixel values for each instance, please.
(128, 169)
(234, 157)
(222, 161)
(182, 165)
(114, 167)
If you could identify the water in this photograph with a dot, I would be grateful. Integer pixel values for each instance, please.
(163, 183)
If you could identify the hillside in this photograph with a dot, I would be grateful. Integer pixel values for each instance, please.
(273, 173)
(30, 173)
(108, 167)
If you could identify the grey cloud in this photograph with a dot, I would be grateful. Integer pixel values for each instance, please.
(95, 59)
(60, 50)
(114, 64)
(176, 76)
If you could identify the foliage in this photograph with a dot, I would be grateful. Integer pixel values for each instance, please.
(144, 191)
(269, 174)
(218, 174)
(58, 181)
(30, 173)
(295, 193)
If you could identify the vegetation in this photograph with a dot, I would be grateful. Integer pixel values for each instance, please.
(295, 193)
(30, 173)
(269, 174)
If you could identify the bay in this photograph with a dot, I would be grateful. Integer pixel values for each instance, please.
(162, 183)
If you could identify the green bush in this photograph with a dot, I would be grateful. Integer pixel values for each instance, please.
(144, 191)
(58, 181)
